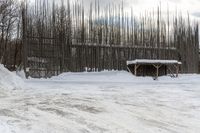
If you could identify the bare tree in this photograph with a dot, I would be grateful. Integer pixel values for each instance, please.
(8, 18)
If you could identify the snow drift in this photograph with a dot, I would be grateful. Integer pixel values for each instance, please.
(9, 80)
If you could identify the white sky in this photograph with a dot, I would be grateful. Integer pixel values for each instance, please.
(140, 6)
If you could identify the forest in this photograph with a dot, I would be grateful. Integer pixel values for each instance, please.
(47, 38)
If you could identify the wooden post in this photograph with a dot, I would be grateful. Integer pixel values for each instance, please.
(135, 69)
(128, 69)
(177, 70)
(157, 70)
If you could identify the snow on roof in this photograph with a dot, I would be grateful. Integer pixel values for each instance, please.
(148, 61)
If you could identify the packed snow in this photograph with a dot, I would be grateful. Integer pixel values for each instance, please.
(104, 102)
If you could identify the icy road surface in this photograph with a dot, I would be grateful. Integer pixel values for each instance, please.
(106, 102)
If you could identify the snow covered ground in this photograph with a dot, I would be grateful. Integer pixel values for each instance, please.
(106, 102)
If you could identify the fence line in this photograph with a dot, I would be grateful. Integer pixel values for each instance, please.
(45, 60)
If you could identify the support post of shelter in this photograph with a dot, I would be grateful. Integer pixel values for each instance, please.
(135, 69)
(177, 70)
(157, 70)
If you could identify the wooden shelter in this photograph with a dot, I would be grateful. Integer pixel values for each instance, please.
(147, 67)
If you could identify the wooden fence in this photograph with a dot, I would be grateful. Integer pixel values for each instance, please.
(45, 58)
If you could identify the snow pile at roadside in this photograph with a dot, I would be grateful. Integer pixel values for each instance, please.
(105, 76)
(9, 80)
(20, 73)
(92, 76)
(121, 77)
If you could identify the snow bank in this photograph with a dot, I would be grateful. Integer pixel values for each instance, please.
(105, 76)
(120, 77)
(9, 80)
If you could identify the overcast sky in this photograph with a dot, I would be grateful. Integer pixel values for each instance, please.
(140, 6)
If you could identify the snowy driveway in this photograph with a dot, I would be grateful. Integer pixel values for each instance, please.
(109, 102)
